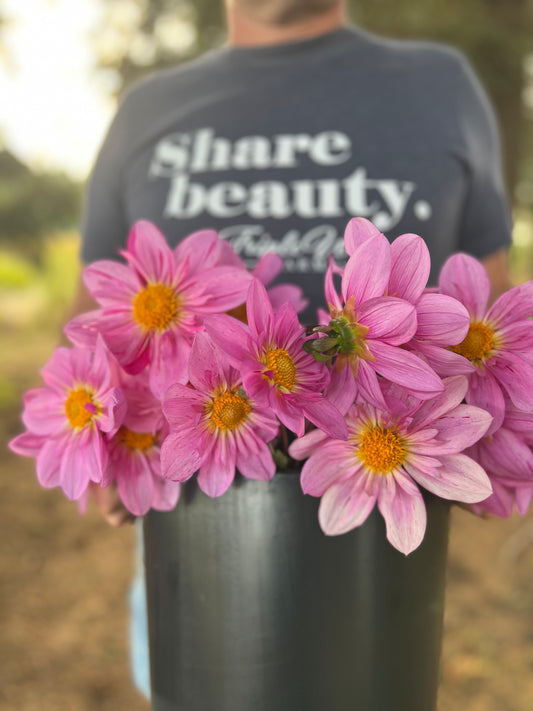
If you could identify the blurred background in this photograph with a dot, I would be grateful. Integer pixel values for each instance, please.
(64, 577)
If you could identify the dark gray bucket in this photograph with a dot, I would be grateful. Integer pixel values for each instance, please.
(252, 608)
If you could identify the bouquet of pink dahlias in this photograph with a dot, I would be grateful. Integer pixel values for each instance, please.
(192, 366)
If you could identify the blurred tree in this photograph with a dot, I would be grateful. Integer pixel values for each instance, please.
(141, 35)
(33, 205)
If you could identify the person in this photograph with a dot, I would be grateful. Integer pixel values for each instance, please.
(298, 123)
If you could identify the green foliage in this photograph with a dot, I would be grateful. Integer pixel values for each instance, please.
(34, 204)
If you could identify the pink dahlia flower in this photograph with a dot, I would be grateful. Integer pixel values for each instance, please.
(66, 419)
(153, 306)
(276, 371)
(372, 325)
(499, 341)
(135, 454)
(214, 426)
(387, 453)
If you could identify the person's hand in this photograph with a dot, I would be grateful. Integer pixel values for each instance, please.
(110, 505)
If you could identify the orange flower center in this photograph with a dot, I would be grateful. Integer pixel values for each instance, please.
(136, 440)
(282, 366)
(381, 449)
(78, 414)
(478, 344)
(229, 410)
(156, 307)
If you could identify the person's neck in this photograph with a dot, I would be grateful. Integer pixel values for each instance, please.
(245, 31)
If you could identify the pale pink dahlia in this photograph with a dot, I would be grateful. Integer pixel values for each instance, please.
(66, 419)
(387, 453)
(135, 454)
(276, 371)
(370, 325)
(214, 426)
(499, 342)
(153, 306)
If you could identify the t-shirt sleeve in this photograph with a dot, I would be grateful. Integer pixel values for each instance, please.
(104, 226)
(486, 225)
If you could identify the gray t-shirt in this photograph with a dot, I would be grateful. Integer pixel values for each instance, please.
(277, 147)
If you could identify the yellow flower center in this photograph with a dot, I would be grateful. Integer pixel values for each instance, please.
(155, 307)
(75, 407)
(282, 366)
(229, 410)
(136, 440)
(479, 342)
(381, 449)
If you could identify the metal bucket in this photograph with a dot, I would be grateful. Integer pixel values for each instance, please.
(252, 608)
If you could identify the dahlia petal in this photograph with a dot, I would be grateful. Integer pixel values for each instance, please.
(289, 414)
(389, 319)
(523, 496)
(443, 361)
(287, 293)
(410, 266)
(453, 393)
(442, 320)
(108, 280)
(357, 231)
(27, 444)
(268, 267)
(258, 309)
(331, 462)
(149, 254)
(47, 463)
(224, 288)
(460, 478)
(136, 486)
(180, 455)
(115, 407)
(45, 414)
(367, 384)
(218, 470)
(83, 459)
(324, 414)
(366, 274)
(258, 465)
(402, 506)
(500, 503)
(231, 336)
(166, 494)
(514, 305)
(303, 447)
(202, 250)
(461, 428)
(344, 506)
(57, 372)
(484, 392)
(465, 278)
(342, 389)
(169, 363)
(406, 369)
(82, 330)
(516, 376)
(332, 298)
(517, 336)
(517, 466)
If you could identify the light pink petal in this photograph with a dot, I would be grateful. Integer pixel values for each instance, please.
(45, 414)
(218, 470)
(231, 336)
(443, 361)
(442, 320)
(410, 267)
(367, 382)
(166, 494)
(107, 280)
(149, 253)
(517, 466)
(267, 268)
(453, 393)
(287, 293)
(524, 495)
(82, 330)
(366, 274)
(259, 310)
(180, 455)
(342, 389)
(202, 250)
(465, 278)
(303, 447)
(332, 461)
(500, 503)
(27, 444)
(407, 369)
(389, 319)
(358, 230)
(516, 376)
(182, 405)
(57, 373)
(332, 298)
(290, 415)
(461, 428)
(84, 459)
(136, 486)
(223, 288)
(402, 506)
(169, 364)
(115, 408)
(514, 305)
(517, 336)
(484, 391)
(344, 506)
(460, 478)
(256, 465)
(324, 414)
(48, 461)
